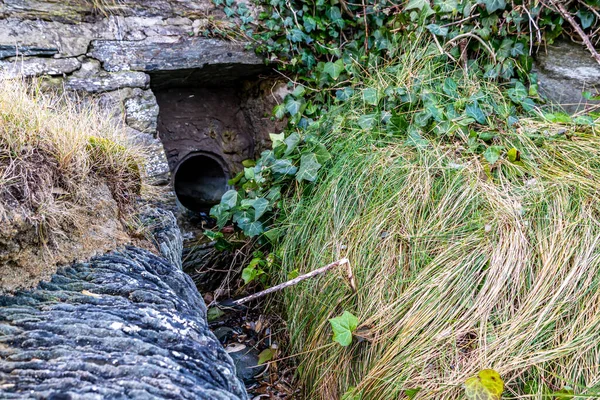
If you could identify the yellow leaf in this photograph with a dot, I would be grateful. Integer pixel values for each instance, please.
(486, 385)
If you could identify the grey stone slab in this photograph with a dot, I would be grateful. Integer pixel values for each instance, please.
(77, 11)
(188, 53)
(12, 50)
(92, 79)
(565, 70)
(38, 66)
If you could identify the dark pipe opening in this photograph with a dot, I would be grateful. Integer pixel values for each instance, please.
(199, 181)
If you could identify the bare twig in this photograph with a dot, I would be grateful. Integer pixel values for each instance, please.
(586, 40)
(366, 26)
(483, 43)
(345, 8)
(461, 21)
(441, 49)
(299, 279)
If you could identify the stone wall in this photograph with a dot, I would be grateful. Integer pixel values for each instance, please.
(123, 52)
(565, 70)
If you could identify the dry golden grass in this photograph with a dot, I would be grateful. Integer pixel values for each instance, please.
(457, 271)
(64, 169)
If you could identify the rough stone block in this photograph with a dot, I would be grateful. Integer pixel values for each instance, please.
(38, 66)
(141, 111)
(12, 50)
(92, 79)
(188, 53)
(564, 72)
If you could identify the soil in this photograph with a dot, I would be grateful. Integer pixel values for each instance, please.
(29, 254)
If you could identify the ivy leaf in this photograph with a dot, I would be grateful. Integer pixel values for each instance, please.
(367, 121)
(589, 96)
(584, 120)
(299, 91)
(415, 139)
(437, 30)
(475, 112)
(322, 154)
(230, 198)
(292, 105)
(254, 229)
(243, 218)
(334, 69)
(276, 138)
(492, 154)
(279, 111)
(309, 23)
(291, 142)
(421, 5)
(260, 207)
(221, 213)
(296, 35)
(450, 88)
(284, 167)
(344, 94)
(309, 166)
(586, 17)
(335, 14)
(214, 313)
(265, 356)
(250, 273)
(343, 326)
(486, 385)
(518, 94)
(371, 96)
(493, 5)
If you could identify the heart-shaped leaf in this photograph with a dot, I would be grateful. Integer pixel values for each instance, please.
(343, 326)
(486, 385)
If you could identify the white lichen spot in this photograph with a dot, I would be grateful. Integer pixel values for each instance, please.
(116, 325)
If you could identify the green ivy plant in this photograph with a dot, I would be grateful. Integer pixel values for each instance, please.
(261, 183)
(325, 45)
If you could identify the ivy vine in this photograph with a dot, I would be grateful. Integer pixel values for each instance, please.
(324, 45)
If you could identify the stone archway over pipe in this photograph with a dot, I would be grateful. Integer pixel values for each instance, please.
(199, 180)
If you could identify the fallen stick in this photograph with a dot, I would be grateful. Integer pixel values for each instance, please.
(299, 279)
(586, 40)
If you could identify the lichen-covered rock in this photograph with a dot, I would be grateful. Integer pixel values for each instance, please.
(12, 50)
(141, 111)
(77, 11)
(125, 325)
(565, 70)
(169, 54)
(92, 79)
(38, 66)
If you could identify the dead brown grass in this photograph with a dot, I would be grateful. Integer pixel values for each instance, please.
(68, 178)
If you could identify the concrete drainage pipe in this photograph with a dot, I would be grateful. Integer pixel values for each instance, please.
(199, 180)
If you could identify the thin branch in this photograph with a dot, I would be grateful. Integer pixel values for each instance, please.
(586, 40)
(483, 43)
(441, 49)
(297, 280)
(461, 21)
(366, 26)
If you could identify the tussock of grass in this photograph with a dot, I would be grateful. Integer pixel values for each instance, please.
(458, 269)
(64, 167)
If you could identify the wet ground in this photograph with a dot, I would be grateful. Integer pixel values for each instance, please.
(254, 336)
